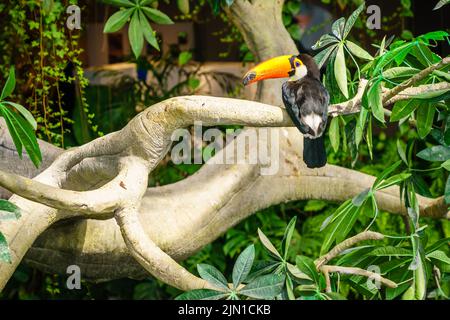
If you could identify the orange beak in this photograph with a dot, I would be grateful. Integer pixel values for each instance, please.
(278, 67)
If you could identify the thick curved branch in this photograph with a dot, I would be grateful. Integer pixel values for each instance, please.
(151, 257)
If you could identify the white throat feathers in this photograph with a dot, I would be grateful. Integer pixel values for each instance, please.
(300, 72)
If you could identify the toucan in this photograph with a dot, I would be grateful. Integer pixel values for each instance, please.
(305, 98)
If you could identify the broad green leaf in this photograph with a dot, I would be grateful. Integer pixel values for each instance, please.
(339, 211)
(147, 31)
(296, 273)
(425, 116)
(338, 28)
(386, 172)
(307, 266)
(403, 109)
(398, 54)
(324, 41)
(447, 191)
(288, 237)
(264, 287)
(202, 294)
(117, 20)
(399, 275)
(390, 251)
(401, 151)
(24, 112)
(340, 70)
(9, 85)
(400, 72)
(184, 58)
(183, 6)
(243, 265)
(375, 101)
(262, 267)
(268, 245)
(213, 276)
(360, 125)
(439, 255)
(322, 57)
(435, 35)
(157, 16)
(442, 74)
(393, 180)
(369, 137)
(359, 199)
(5, 255)
(435, 153)
(431, 94)
(135, 35)
(120, 3)
(333, 132)
(23, 135)
(352, 19)
(437, 245)
(9, 210)
(358, 51)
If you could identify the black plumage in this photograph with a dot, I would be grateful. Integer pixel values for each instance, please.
(306, 101)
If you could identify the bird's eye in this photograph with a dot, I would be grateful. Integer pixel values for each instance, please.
(297, 64)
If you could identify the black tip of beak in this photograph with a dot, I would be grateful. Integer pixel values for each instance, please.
(249, 76)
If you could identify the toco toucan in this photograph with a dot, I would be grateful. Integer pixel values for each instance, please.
(305, 98)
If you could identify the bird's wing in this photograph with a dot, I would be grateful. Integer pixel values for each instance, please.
(292, 107)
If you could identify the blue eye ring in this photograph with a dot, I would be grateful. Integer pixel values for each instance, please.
(297, 64)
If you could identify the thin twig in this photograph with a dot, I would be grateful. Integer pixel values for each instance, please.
(358, 272)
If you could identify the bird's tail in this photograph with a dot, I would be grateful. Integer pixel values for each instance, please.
(314, 153)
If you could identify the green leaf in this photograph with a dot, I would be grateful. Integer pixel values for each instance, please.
(340, 70)
(435, 153)
(243, 265)
(343, 208)
(335, 296)
(9, 85)
(403, 109)
(358, 51)
(425, 116)
(23, 135)
(369, 137)
(440, 256)
(441, 94)
(324, 41)
(386, 172)
(202, 294)
(440, 4)
(184, 58)
(393, 180)
(375, 101)
(398, 54)
(352, 19)
(322, 57)
(307, 266)
(117, 20)
(5, 255)
(147, 31)
(157, 16)
(135, 35)
(390, 251)
(213, 276)
(9, 210)
(447, 191)
(359, 199)
(400, 72)
(183, 6)
(338, 28)
(120, 3)
(288, 237)
(401, 151)
(24, 112)
(334, 134)
(268, 245)
(360, 125)
(264, 287)
(437, 245)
